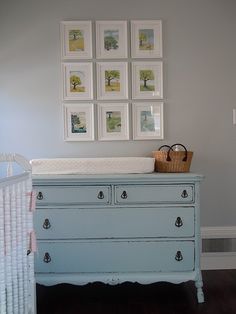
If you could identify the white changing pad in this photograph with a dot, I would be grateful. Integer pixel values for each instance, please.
(112, 165)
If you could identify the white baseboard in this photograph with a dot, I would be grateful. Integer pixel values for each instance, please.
(218, 260)
(218, 232)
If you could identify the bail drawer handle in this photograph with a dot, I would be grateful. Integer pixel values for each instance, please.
(124, 195)
(184, 194)
(47, 258)
(40, 196)
(178, 222)
(100, 195)
(179, 256)
(46, 224)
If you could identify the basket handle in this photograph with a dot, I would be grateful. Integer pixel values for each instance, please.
(160, 148)
(171, 148)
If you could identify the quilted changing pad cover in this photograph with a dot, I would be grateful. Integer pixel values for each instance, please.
(113, 165)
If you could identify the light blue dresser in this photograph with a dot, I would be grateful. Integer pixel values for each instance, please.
(113, 228)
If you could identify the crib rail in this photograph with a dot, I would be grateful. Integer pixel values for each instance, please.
(17, 284)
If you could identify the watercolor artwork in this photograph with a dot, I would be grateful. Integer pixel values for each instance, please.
(113, 121)
(146, 39)
(76, 40)
(78, 122)
(77, 79)
(111, 39)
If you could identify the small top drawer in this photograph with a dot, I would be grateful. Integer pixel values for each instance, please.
(72, 195)
(129, 194)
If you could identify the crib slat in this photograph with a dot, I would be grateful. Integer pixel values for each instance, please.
(17, 283)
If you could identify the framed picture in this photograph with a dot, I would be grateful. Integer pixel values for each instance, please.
(77, 81)
(147, 80)
(76, 39)
(147, 121)
(113, 121)
(79, 122)
(146, 39)
(112, 81)
(111, 39)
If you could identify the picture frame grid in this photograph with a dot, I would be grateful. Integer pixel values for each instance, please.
(113, 65)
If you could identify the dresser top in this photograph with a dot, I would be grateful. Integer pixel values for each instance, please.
(119, 178)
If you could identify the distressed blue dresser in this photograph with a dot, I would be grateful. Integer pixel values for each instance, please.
(113, 228)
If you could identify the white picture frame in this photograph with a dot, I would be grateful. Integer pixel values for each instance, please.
(111, 39)
(112, 80)
(146, 39)
(76, 39)
(78, 121)
(113, 121)
(147, 120)
(77, 81)
(147, 80)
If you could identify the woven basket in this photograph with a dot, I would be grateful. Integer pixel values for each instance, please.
(172, 161)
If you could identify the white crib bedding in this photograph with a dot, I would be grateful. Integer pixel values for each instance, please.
(108, 165)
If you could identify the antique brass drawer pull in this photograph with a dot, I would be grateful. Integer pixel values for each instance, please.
(179, 256)
(184, 194)
(40, 196)
(47, 258)
(100, 195)
(46, 224)
(178, 222)
(124, 195)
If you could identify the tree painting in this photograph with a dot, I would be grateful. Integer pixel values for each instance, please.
(146, 39)
(76, 82)
(147, 121)
(78, 122)
(111, 39)
(112, 81)
(146, 80)
(76, 40)
(113, 121)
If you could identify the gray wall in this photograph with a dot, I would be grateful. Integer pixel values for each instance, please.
(199, 86)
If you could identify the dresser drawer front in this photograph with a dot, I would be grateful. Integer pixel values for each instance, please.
(114, 223)
(146, 194)
(73, 195)
(114, 256)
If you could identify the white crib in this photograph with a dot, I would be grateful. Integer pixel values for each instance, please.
(17, 239)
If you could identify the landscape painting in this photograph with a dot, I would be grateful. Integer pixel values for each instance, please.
(76, 40)
(113, 121)
(111, 39)
(77, 79)
(112, 81)
(147, 121)
(78, 122)
(147, 80)
(146, 39)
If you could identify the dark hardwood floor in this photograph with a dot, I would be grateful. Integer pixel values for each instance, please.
(128, 298)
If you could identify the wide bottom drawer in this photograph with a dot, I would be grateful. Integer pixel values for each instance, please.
(114, 256)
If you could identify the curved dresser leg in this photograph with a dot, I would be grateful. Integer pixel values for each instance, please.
(199, 285)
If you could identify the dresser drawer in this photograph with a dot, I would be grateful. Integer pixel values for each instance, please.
(114, 223)
(72, 195)
(130, 194)
(114, 256)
